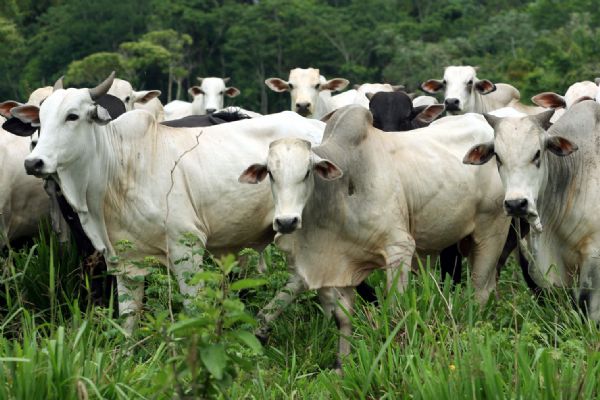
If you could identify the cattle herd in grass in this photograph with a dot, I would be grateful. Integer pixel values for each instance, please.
(345, 196)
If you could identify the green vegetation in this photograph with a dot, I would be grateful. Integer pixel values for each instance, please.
(427, 343)
(537, 45)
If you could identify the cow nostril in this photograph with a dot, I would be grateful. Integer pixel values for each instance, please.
(34, 166)
(517, 207)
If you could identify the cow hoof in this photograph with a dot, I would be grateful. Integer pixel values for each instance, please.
(263, 334)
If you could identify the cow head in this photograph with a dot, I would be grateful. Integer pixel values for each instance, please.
(460, 83)
(579, 91)
(65, 120)
(209, 96)
(394, 112)
(521, 147)
(291, 167)
(304, 86)
(123, 90)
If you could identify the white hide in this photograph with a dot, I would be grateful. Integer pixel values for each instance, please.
(143, 100)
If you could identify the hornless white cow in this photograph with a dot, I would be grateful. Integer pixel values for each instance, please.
(23, 201)
(366, 199)
(133, 179)
(579, 91)
(554, 185)
(464, 92)
(142, 100)
(310, 92)
(207, 98)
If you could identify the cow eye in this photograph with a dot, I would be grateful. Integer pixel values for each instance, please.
(127, 99)
(536, 159)
(221, 92)
(470, 82)
(444, 82)
(72, 117)
(290, 86)
(318, 85)
(498, 161)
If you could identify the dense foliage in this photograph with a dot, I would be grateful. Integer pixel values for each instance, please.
(537, 45)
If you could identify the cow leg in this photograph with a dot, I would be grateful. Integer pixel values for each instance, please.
(484, 256)
(339, 302)
(588, 296)
(282, 299)
(451, 263)
(398, 259)
(184, 266)
(131, 295)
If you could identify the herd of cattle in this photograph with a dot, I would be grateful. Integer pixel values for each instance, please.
(345, 195)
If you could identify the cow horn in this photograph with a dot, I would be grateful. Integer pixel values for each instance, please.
(102, 88)
(58, 84)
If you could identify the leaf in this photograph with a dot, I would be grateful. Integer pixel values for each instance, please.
(189, 323)
(215, 359)
(205, 276)
(249, 340)
(247, 283)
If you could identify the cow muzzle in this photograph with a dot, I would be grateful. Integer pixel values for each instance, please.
(303, 109)
(35, 166)
(287, 224)
(452, 104)
(516, 207)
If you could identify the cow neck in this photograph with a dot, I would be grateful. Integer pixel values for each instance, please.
(562, 177)
(83, 184)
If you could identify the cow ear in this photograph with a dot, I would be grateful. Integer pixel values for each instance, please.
(277, 85)
(560, 146)
(485, 86)
(253, 174)
(6, 106)
(335, 84)
(479, 154)
(549, 100)
(145, 96)
(369, 95)
(430, 113)
(432, 86)
(100, 115)
(195, 91)
(17, 127)
(232, 91)
(326, 169)
(28, 114)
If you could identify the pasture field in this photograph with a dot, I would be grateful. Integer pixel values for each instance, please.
(428, 343)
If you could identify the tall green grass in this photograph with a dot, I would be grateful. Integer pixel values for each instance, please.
(430, 342)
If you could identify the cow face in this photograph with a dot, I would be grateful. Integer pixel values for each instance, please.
(394, 112)
(460, 84)
(209, 96)
(304, 86)
(124, 91)
(291, 167)
(521, 147)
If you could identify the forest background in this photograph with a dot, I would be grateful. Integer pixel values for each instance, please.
(539, 45)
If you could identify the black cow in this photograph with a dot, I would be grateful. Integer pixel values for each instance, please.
(394, 112)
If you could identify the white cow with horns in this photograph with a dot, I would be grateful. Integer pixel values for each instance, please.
(133, 179)
(551, 178)
(366, 199)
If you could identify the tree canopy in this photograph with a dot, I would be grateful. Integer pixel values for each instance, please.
(537, 45)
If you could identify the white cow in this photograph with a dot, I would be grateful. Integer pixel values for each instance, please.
(366, 199)
(465, 92)
(207, 98)
(579, 91)
(133, 179)
(550, 176)
(23, 201)
(358, 95)
(142, 100)
(310, 92)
